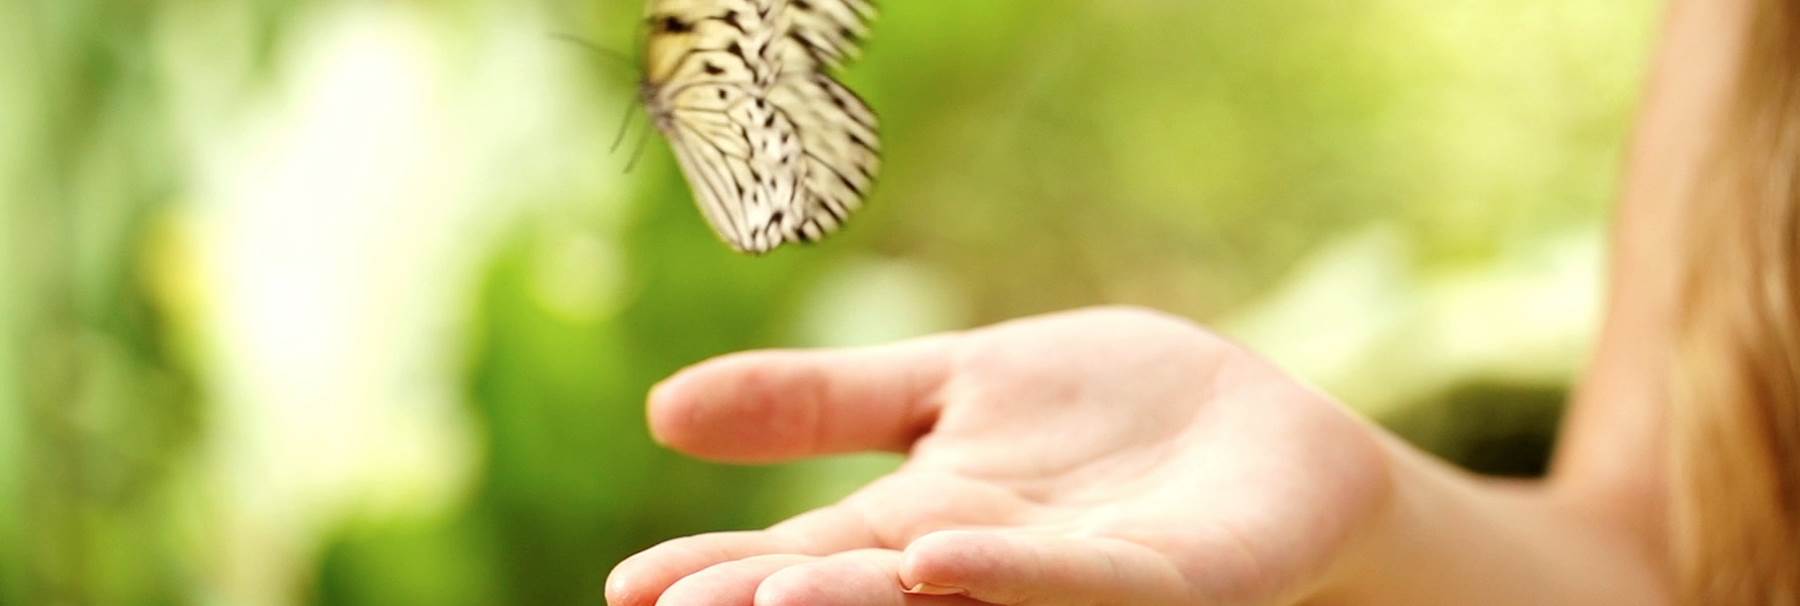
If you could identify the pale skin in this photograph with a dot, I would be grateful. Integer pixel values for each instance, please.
(1122, 456)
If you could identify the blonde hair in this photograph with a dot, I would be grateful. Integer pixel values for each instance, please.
(1736, 416)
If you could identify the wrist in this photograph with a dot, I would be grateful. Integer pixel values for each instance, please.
(1444, 535)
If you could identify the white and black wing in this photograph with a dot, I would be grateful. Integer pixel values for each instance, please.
(832, 30)
(741, 154)
(744, 162)
(838, 132)
(840, 144)
(774, 149)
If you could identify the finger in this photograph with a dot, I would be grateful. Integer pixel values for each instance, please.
(727, 584)
(1022, 568)
(868, 577)
(641, 579)
(904, 506)
(777, 405)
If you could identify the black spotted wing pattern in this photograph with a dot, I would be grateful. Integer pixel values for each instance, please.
(774, 149)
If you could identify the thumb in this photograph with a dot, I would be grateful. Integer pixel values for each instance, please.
(776, 405)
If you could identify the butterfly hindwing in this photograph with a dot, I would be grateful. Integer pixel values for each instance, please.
(841, 147)
(743, 160)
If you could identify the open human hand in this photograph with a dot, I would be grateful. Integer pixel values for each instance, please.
(1111, 456)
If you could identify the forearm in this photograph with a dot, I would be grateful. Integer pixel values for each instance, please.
(1447, 537)
(1612, 444)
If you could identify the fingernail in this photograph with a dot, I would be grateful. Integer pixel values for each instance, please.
(929, 589)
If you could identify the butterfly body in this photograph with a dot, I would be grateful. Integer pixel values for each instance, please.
(774, 149)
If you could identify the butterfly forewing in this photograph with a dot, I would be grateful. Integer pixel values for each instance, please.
(773, 148)
(832, 30)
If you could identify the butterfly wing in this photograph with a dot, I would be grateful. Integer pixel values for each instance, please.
(743, 161)
(831, 30)
(710, 63)
(774, 149)
(839, 144)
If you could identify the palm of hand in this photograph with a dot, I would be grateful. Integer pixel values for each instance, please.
(1094, 457)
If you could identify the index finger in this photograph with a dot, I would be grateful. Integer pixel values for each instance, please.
(772, 406)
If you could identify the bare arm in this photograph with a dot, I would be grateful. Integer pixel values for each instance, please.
(1104, 457)
(1611, 461)
(1598, 525)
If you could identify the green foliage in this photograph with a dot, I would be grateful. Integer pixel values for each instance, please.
(1040, 154)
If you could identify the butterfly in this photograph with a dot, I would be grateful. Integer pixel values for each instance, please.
(774, 148)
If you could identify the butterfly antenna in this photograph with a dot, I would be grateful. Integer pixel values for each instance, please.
(616, 57)
(624, 127)
(638, 154)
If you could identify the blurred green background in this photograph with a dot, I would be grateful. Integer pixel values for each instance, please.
(345, 303)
